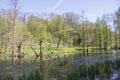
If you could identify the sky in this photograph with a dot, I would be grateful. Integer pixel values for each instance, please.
(92, 8)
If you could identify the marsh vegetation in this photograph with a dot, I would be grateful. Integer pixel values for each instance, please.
(64, 46)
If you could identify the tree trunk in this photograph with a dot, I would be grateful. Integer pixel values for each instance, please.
(20, 50)
(1, 47)
(87, 40)
(111, 41)
(41, 53)
(70, 43)
(116, 46)
(119, 43)
(13, 44)
(59, 42)
(92, 46)
(15, 6)
(106, 39)
(5, 47)
(83, 35)
(100, 43)
(83, 45)
(87, 48)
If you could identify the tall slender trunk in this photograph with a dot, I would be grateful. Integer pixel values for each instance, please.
(59, 39)
(15, 6)
(41, 53)
(116, 46)
(70, 44)
(106, 39)
(119, 43)
(87, 47)
(87, 40)
(64, 42)
(5, 47)
(111, 40)
(1, 47)
(13, 44)
(83, 40)
(100, 42)
(92, 46)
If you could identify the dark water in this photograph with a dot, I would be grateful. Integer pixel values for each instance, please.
(51, 69)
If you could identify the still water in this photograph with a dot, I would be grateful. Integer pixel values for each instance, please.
(52, 69)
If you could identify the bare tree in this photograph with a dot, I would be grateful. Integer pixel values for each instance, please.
(83, 33)
(115, 31)
(105, 19)
(14, 10)
(23, 37)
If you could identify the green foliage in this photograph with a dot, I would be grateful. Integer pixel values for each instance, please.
(38, 28)
(64, 30)
(102, 33)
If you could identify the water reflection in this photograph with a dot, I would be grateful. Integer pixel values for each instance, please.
(35, 59)
(97, 78)
(52, 70)
(13, 61)
(114, 76)
(20, 60)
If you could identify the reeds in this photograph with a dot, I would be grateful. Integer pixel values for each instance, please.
(89, 72)
(35, 75)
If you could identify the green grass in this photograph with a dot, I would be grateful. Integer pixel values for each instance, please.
(98, 69)
(47, 51)
(53, 51)
(34, 75)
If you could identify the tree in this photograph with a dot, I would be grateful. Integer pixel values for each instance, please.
(14, 9)
(115, 32)
(72, 23)
(21, 35)
(5, 30)
(83, 31)
(38, 30)
(118, 25)
(59, 28)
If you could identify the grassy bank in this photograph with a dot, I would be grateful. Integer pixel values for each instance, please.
(53, 51)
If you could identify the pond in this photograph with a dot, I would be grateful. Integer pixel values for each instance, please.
(56, 69)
